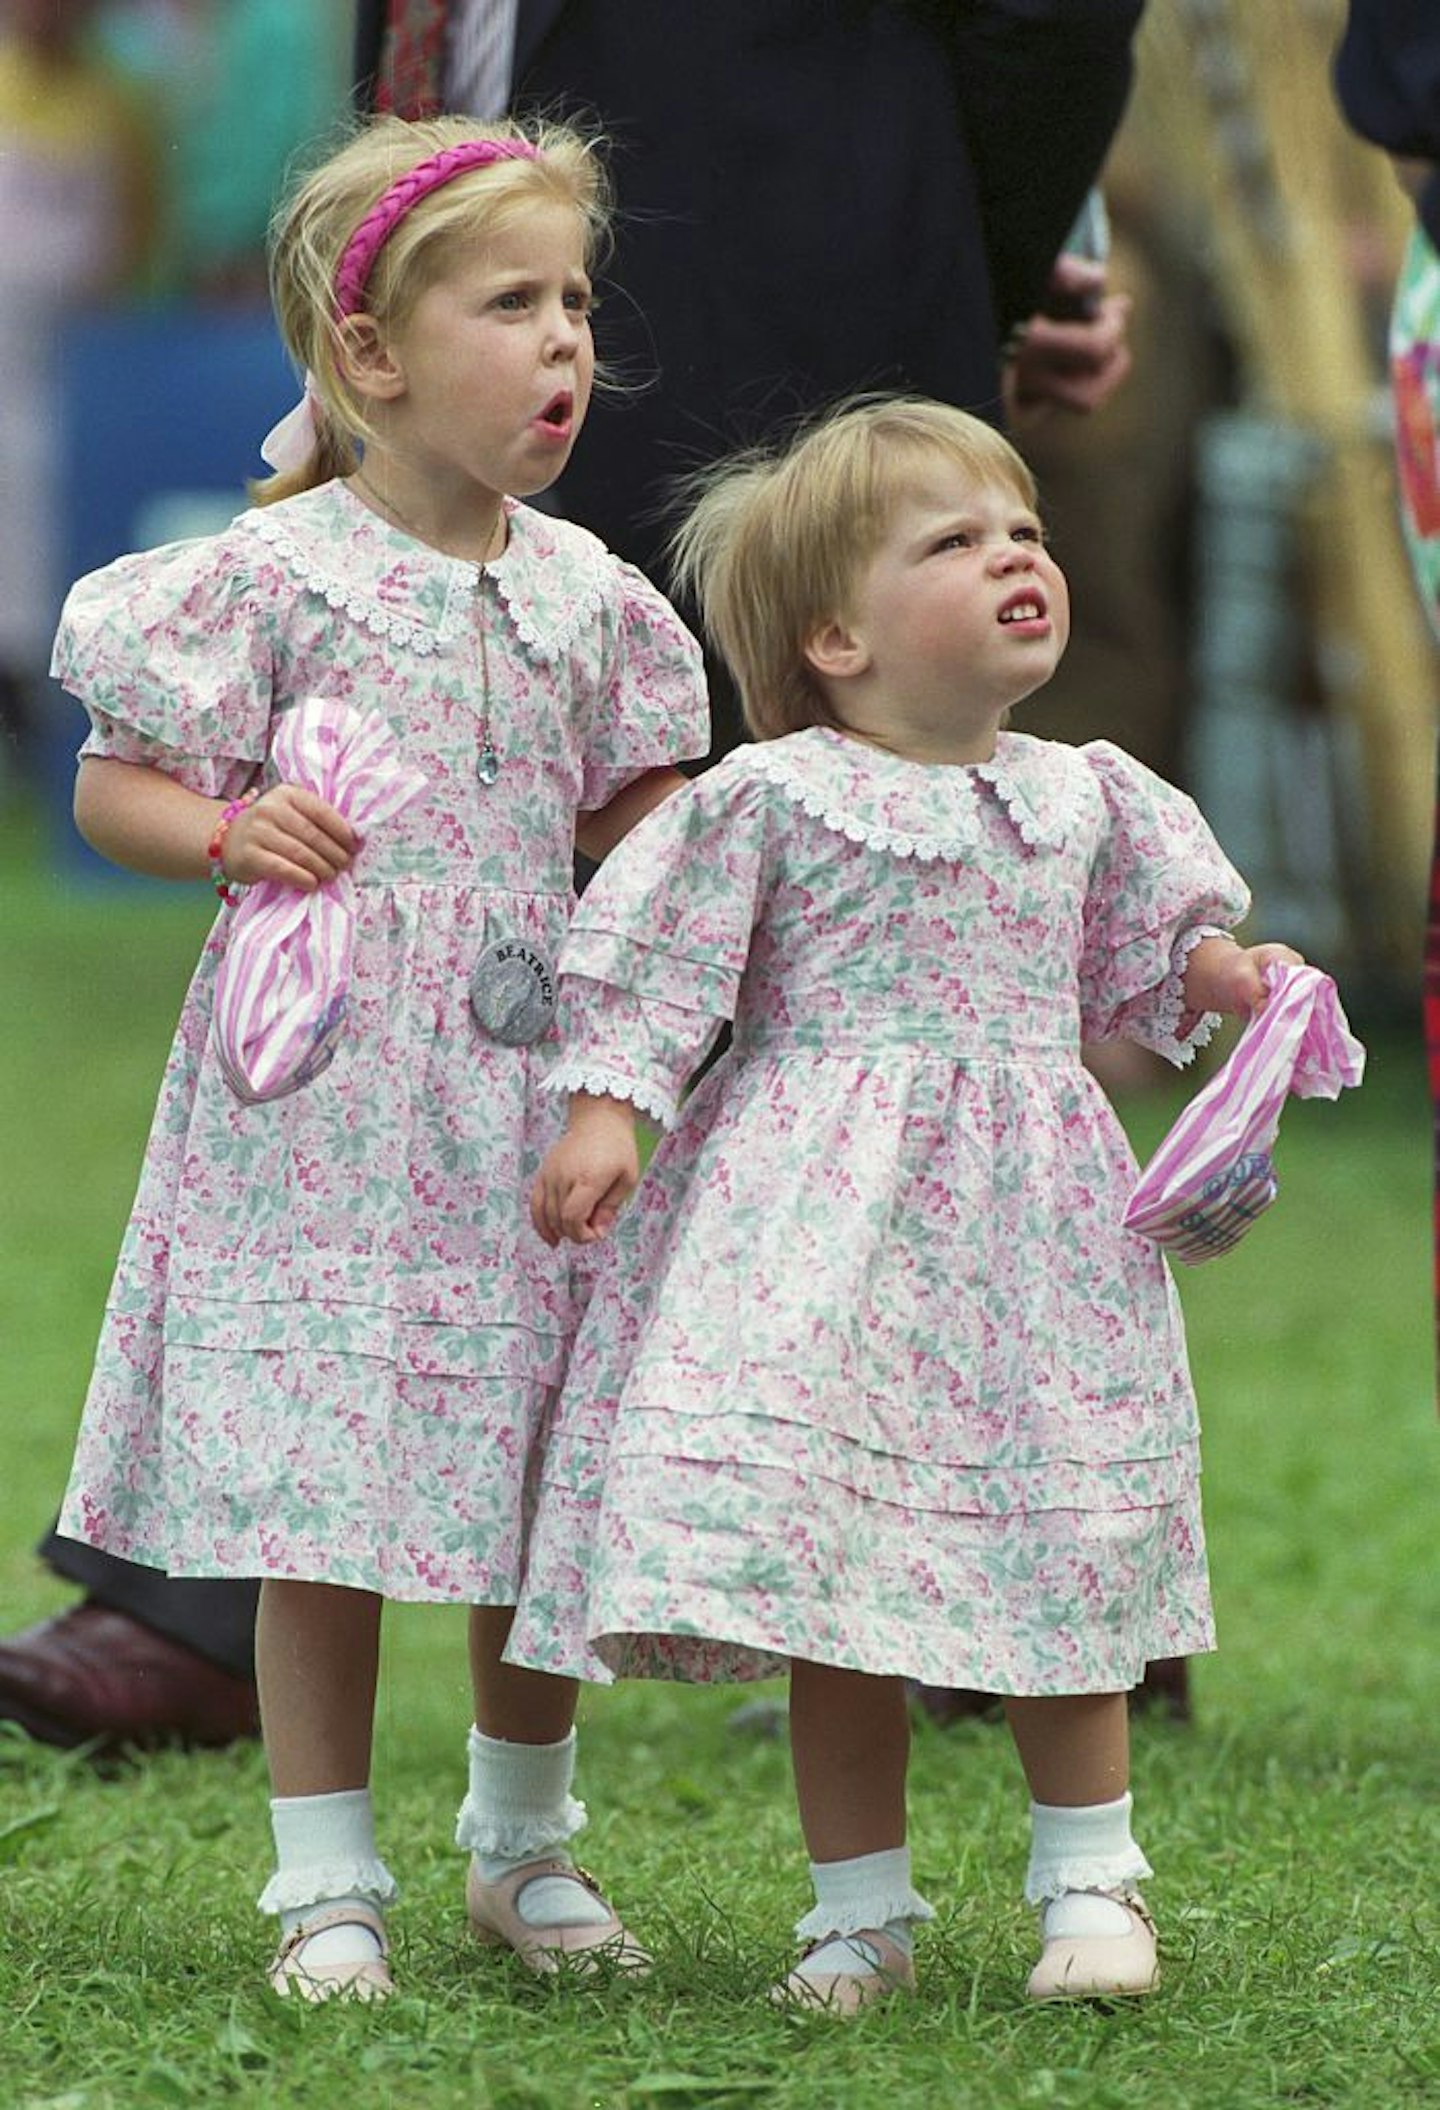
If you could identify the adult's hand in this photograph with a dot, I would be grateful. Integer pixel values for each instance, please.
(1074, 353)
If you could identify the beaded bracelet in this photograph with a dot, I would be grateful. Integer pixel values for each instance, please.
(216, 849)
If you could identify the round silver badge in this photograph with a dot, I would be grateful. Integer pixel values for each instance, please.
(512, 992)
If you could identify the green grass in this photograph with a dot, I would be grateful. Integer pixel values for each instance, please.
(1293, 1828)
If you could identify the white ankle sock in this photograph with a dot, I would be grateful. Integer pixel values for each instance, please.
(1082, 1913)
(519, 1809)
(1085, 1848)
(869, 1891)
(326, 1859)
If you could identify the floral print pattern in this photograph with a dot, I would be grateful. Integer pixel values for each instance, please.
(333, 1339)
(872, 1375)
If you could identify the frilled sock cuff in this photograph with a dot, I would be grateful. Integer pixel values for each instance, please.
(519, 1803)
(324, 1849)
(1085, 1848)
(868, 1891)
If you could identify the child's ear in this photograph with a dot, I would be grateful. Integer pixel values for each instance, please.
(371, 366)
(834, 651)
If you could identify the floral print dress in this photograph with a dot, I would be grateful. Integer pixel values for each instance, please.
(333, 1339)
(872, 1375)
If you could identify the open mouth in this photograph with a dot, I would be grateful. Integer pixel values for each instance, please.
(558, 411)
(1025, 607)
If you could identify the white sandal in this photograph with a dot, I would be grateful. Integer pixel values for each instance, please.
(493, 1911)
(846, 1992)
(367, 1980)
(1100, 1966)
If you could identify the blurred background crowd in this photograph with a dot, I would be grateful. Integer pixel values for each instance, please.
(1246, 623)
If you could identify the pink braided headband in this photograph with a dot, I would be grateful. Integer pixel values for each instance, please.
(403, 195)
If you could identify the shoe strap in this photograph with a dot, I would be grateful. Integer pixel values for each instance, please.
(892, 1956)
(334, 1916)
(535, 1871)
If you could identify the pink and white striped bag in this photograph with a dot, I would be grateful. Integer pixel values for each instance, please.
(1212, 1175)
(283, 987)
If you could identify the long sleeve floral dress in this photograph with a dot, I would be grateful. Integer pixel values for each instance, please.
(872, 1375)
(333, 1338)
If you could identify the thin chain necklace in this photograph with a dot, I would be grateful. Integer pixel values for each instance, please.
(487, 767)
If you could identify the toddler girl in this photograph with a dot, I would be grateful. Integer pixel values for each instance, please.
(333, 1336)
(874, 1386)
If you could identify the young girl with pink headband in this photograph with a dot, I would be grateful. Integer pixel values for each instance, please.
(334, 1339)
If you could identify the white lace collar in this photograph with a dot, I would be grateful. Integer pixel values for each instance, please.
(918, 809)
(549, 582)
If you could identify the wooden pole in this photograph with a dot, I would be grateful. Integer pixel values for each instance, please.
(1243, 94)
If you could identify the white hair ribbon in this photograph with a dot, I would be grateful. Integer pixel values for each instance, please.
(288, 446)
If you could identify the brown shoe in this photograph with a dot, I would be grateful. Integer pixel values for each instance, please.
(1164, 1690)
(96, 1676)
(947, 1704)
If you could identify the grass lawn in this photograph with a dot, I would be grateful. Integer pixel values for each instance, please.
(1293, 1828)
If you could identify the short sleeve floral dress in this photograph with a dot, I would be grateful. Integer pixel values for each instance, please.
(872, 1374)
(333, 1339)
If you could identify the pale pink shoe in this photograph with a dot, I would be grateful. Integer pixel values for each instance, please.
(369, 1980)
(847, 1992)
(494, 1918)
(1100, 1966)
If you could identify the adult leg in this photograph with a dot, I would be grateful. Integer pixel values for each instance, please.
(211, 1617)
(850, 1748)
(1099, 1941)
(144, 1659)
(518, 1817)
(317, 1653)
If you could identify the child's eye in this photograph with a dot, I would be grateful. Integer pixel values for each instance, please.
(511, 303)
(959, 538)
(1030, 532)
(581, 303)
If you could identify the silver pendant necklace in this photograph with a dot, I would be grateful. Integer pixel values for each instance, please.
(487, 769)
(487, 766)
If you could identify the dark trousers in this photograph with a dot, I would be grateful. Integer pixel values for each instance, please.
(214, 1618)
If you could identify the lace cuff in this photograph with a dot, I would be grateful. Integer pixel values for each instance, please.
(1153, 1013)
(293, 1889)
(1120, 1870)
(871, 1910)
(1179, 1034)
(657, 1102)
(518, 1838)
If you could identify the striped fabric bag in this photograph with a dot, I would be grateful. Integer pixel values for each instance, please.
(283, 985)
(1212, 1175)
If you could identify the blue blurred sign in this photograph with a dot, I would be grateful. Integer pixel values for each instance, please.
(163, 413)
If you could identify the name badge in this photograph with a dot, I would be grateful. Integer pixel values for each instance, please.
(512, 993)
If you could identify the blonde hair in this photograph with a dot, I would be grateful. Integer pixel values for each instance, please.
(775, 541)
(313, 226)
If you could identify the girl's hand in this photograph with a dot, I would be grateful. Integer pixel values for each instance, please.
(290, 836)
(1223, 976)
(588, 1176)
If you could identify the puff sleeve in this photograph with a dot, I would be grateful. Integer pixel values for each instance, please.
(170, 653)
(1159, 882)
(652, 708)
(654, 958)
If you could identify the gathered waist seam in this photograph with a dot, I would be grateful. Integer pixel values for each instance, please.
(872, 1047)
